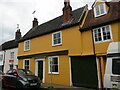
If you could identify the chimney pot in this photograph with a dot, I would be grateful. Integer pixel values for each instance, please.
(67, 11)
(35, 22)
(18, 35)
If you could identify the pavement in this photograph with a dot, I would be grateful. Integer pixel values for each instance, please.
(62, 87)
(45, 86)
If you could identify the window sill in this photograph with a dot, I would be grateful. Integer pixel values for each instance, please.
(26, 50)
(56, 73)
(57, 44)
(97, 16)
(102, 41)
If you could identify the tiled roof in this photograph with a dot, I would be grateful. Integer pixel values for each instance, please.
(55, 24)
(9, 45)
(113, 15)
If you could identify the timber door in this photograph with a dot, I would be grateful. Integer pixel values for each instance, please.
(84, 71)
(40, 70)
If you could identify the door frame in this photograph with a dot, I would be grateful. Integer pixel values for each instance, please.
(36, 70)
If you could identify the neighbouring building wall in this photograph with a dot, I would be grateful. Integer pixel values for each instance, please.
(14, 62)
(1, 59)
(101, 48)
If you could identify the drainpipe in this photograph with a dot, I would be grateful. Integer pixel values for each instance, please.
(101, 83)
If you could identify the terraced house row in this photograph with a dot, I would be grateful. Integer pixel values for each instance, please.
(71, 49)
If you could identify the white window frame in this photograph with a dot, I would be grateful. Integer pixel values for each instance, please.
(12, 55)
(26, 65)
(28, 48)
(101, 31)
(60, 39)
(98, 6)
(49, 59)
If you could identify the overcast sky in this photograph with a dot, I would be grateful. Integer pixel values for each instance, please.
(13, 12)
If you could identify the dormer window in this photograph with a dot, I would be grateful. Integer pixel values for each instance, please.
(100, 10)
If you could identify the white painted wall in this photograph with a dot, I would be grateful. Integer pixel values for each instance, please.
(7, 58)
(2, 53)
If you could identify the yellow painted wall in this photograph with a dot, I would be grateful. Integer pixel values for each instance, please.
(63, 78)
(87, 46)
(20, 64)
(71, 41)
(32, 64)
(101, 48)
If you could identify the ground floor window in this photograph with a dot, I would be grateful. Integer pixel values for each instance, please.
(53, 65)
(26, 64)
(11, 66)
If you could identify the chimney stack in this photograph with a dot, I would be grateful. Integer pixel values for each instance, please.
(35, 22)
(18, 35)
(67, 11)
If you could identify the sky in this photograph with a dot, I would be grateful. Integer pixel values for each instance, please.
(13, 12)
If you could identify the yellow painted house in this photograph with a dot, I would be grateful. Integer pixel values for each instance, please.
(71, 49)
(52, 50)
(101, 27)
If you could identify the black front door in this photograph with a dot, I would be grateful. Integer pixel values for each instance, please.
(40, 69)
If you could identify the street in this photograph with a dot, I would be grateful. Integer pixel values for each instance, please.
(27, 89)
(15, 89)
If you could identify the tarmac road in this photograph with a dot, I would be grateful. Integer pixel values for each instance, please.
(15, 89)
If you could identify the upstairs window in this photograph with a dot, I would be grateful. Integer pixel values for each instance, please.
(27, 45)
(53, 65)
(12, 55)
(56, 38)
(1, 57)
(100, 10)
(102, 34)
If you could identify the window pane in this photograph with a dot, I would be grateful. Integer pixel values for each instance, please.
(27, 45)
(58, 35)
(54, 65)
(55, 41)
(55, 68)
(59, 40)
(12, 55)
(97, 10)
(56, 38)
(102, 9)
(55, 60)
(108, 37)
(11, 66)
(26, 66)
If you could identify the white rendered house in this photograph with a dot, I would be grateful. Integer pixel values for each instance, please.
(9, 52)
